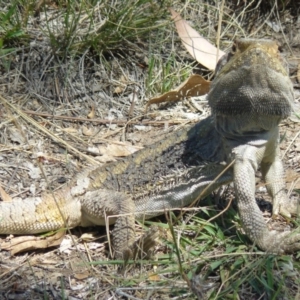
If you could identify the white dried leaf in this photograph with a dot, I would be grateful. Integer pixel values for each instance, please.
(66, 245)
(105, 158)
(34, 173)
(93, 149)
(142, 127)
(32, 189)
(94, 245)
(190, 116)
(87, 237)
(112, 126)
(16, 136)
(70, 130)
(118, 150)
(274, 25)
(80, 187)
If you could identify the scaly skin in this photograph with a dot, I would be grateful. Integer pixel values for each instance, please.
(250, 95)
(168, 174)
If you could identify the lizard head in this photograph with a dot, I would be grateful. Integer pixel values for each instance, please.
(252, 86)
(252, 52)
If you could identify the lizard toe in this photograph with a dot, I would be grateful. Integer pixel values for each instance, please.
(143, 246)
(287, 208)
(291, 243)
(283, 211)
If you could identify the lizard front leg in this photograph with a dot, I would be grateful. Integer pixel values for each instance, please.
(101, 206)
(273, 174)
(245, 166)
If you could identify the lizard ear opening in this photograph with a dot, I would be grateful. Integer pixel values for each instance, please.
(226, 58)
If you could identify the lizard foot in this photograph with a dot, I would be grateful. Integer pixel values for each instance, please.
(287, 207)
(143, 246)
(283, 242)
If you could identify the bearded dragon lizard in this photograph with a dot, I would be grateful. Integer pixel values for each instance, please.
(250, 95)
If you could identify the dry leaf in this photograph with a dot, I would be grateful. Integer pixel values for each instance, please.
(27, 243)
(142, 127)
(81, 185)
(119, 90)
(122, 85)
(16, 136)
(91, 115)
(87, 131)
(82, 275)
(4, 195)
(154, 277)
(32, 189)
(70, 130)
(105, 158)
(122, 150)
(66, 245)
(195, 85)
(33, 172)
(94, 150)
(118, 150)
(87, 237)
(203, 51)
